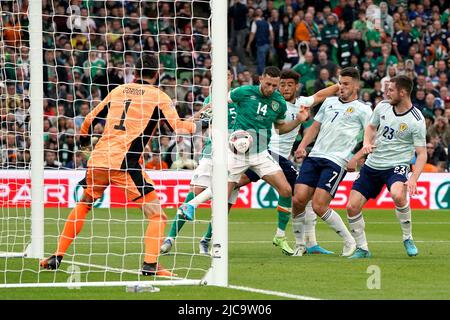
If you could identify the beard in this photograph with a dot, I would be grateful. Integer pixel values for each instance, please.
(345, 96)
(394, 101)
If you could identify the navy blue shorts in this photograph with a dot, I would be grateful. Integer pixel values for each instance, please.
(289, 170)
(321, 173)
(370, 181)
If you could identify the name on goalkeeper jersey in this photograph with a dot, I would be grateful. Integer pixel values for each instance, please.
(137, 92)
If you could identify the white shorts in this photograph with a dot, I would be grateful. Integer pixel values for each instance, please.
(261, 163)
(203, 173)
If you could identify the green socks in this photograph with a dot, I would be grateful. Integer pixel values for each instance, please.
(179, 222)
(284, 213)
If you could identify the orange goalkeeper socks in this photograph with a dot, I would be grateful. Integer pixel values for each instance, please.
(73, 226)
(153, 238)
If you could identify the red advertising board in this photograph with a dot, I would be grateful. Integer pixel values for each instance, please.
(17, 192)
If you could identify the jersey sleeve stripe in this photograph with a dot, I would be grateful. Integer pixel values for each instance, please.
(416, 114)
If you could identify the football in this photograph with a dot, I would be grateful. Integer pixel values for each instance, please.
(240, 141)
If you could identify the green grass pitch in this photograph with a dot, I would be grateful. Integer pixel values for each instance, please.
(253, 261)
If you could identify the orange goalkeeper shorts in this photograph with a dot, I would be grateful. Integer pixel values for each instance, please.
(138, 186)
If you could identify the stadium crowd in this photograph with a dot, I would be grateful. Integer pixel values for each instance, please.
(90, 47)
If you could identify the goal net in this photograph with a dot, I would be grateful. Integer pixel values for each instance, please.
(58, 62)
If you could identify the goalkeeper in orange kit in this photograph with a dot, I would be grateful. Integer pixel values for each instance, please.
(132, 112)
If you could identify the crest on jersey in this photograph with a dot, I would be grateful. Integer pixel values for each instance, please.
(402, 129)
(349, 112)
(275, 105)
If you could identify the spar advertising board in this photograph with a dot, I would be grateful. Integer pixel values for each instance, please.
(61, 189)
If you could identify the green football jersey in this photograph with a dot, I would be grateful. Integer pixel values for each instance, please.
(256, 114)
(207, 148)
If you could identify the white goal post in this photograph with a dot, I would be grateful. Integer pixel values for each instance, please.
(27, 228)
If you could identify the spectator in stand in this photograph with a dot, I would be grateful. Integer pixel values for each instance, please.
(419, 100)
(386, 20)
(291, 55)
(78, 162)
(307, 70)
(51, 161)
(330, 32)
(419, 66)
(183, 161)
(156, 162)
(236, 66)
(262, 33)
(238, 14)
(441, 128)
(323, 81)
(325, 63)
(377, 92)
(391, 72)
(437, 155)
(306, 29)
(429, 105)
(84, 110)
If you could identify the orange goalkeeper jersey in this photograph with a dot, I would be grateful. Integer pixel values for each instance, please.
(132, 112)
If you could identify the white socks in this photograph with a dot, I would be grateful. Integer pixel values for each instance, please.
(233, 197)
(404, 217)
(201, 198)
(310, 226)
(335, 222)
(280, 233)
(207, 195)
(357, 226)
(298, 226)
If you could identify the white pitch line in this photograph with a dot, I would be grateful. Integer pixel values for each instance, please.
(134, 272)
(273, 293)
(244, 222)
(195, 282)
(256, 242)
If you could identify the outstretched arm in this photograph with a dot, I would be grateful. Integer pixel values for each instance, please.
(287, 126)
(321, 95)
(171, 116)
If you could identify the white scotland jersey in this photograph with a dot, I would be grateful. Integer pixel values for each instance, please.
(397, 136)
(282, 144)
(341, 122)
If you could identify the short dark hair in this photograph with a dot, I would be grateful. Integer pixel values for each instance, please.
(272, 71)
(147, 66)
(290, 74)
(403, 82)
(350, 72)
